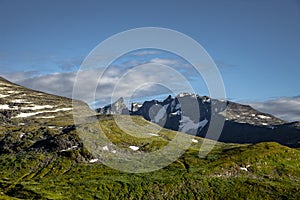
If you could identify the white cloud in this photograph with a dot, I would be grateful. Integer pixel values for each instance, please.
(140, 81)
(19, 76)
(146, 52)
(57, 83)
(287, 108)
(163, 61)
(128, 79)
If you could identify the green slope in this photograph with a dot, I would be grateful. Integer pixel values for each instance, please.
(30, 169)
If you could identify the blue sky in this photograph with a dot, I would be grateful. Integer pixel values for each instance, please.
(255, 44)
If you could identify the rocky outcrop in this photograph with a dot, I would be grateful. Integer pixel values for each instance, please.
(34, 121)
(117, 107)
(192, 114)
(186, 113)
(18, 103)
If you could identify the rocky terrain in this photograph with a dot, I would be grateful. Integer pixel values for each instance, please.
(191, 114)
(36, 121)
(18, 104)
(45, 155)
(115, 108)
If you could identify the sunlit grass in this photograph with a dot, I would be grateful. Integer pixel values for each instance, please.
(272, 169)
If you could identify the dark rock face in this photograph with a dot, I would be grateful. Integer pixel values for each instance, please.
(135, 107)
(186, 113)
(286, 134)
(192, 114)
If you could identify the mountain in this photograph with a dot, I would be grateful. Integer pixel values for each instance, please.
(44, 154)
(18, 104)
(192, 114)
(118, 107)
(36, 121)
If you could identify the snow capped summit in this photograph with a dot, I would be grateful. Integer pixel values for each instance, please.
(185, 94)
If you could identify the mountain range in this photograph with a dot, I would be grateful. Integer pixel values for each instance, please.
(192, 114)
(44, 154)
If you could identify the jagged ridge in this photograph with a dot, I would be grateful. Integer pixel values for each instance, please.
(192, 113)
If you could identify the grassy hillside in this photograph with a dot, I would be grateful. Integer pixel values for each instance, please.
(230, 171)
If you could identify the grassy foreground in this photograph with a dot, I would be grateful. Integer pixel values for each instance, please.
(273, 170)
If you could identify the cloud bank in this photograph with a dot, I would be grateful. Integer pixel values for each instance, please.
(141, 81)
(286, 108)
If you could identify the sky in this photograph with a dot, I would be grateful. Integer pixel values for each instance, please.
(254, 44)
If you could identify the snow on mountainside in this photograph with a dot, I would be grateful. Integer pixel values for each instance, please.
(187, 113)
(17, 103)
(246, 114)
(35, 121)
(192, 114)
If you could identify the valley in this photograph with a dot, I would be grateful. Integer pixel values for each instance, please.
(44, 155)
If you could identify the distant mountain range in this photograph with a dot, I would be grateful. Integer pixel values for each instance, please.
(187, 113)
(44, 154)
(192, 114)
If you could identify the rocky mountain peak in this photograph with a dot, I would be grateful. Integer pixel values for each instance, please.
(118, 107)
(191, 113)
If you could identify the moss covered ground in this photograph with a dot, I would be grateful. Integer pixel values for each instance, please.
(272, 170)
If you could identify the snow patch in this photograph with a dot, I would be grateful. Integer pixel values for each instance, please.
(37, 107)
(195, 141)
(264, 117)
(136, 106)
(188, 124)
(22, 135)
(20, 101)
(186, 94)
(178, 112)
(153, 134)
(46, 111)
(93, 160)
(47, 117)
(70, 148)
(207, 100)
(3, 95)
(13, 92)
(244, 169)
(105, 148)
(60, 109)
(4, 107)
(134, 148)
(21, 115)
